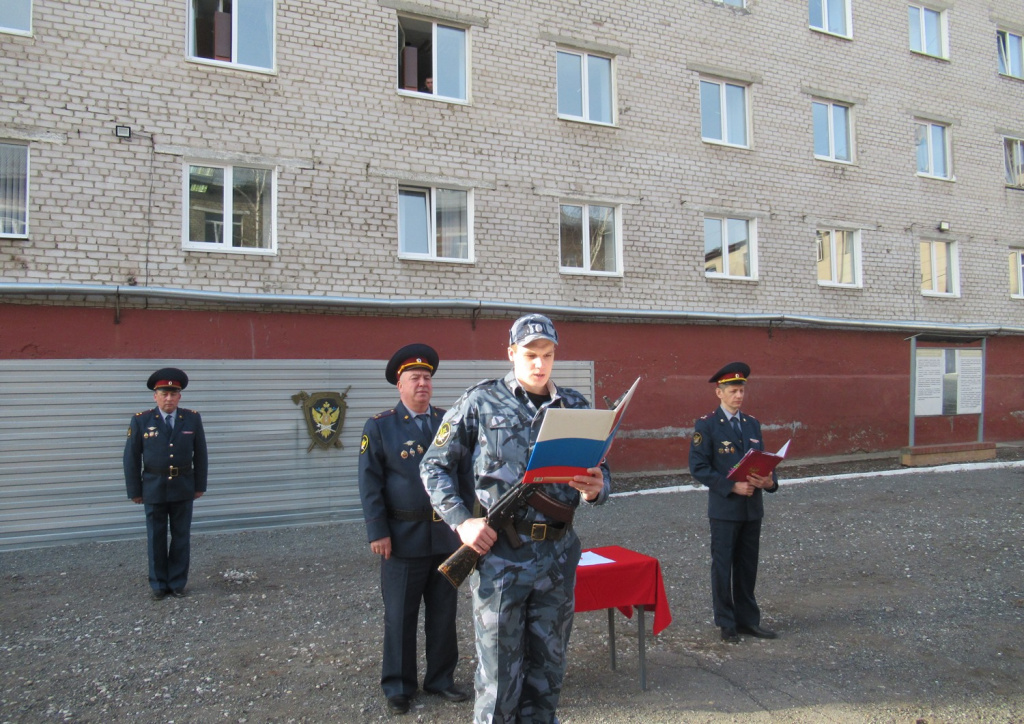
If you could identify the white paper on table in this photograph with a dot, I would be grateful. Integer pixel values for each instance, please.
(589, 558)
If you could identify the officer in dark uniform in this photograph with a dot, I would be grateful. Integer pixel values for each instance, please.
(165, 467)
(411, 540)
(735, 509)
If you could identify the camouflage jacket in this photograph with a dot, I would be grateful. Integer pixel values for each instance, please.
(495, 424)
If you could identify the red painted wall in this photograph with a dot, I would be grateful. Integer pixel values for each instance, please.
(833, 392)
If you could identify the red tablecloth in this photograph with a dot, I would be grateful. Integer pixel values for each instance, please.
(632, 580)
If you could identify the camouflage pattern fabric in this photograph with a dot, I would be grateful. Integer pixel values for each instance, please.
(522, 598)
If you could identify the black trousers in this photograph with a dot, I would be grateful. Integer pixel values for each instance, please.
(734, 550)
(168, 564)
(404, 582)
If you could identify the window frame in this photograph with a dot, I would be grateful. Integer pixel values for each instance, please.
(922, 39)
(825, 15)
(585, 251)
(25, 191)
(1004, 59)
(26, 31)
(723, 104)
(585, 83)
(434, 45)
(855, 236)
(831, 106)
(1017, 161)
(191, 39)
(953, 268)
(947, 136)
(1016, 273)
(431, 231)
(751, 226)
(227, 201)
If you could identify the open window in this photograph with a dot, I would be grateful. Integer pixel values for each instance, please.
(238, 32)
(432, 59)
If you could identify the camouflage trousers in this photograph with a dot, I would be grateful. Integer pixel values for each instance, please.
(523, 611)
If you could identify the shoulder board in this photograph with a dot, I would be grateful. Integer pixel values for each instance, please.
(750, 417)
(137, 414)
(704, 417)
(440, 411)
(386, 413)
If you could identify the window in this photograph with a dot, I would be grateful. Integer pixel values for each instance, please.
(832, 131)
(1013, 151)
(16, 16)
(932, 149)
(838, 257)
(928, 32)
(728, 248)
(434, 223)
(588, 239)
(13, 189)
(432, 59)
(1010, 54)
(735, 3)
(230, 208)
(830, 16)
(1017, 273)
(585, 87)
(939, 268)
(723, 112)
(239, 32)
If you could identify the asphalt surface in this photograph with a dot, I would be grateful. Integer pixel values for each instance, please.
(898, 597)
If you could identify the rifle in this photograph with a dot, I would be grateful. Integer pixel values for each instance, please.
(461, 563)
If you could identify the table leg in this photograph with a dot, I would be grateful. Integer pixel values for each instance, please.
(611, 635)
(642, 629)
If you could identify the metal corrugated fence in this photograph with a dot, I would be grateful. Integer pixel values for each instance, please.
(63, 426)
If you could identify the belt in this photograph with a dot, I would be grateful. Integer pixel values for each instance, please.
(542, 531)
(415, 515)
(171, 472)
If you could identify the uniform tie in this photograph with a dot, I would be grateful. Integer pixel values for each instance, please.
(170, 421)
(738, 430)
(423, 420)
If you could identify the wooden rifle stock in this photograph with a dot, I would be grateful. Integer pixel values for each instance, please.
(457, 567)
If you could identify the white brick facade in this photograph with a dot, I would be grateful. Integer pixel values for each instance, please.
(109, 211)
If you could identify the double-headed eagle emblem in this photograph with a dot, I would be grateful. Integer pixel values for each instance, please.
(324, 413)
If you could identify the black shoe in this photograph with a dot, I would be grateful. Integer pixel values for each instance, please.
(761, 633)
(398, 704)
(180, 593)
(450, 694)
(730, 636)
(158, 595)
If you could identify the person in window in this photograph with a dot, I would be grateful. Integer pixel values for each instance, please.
(427, 86)
(165, 468)
(735, 509)
(410, 540)
(523, 585)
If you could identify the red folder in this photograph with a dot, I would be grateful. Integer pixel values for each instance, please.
(757, 462)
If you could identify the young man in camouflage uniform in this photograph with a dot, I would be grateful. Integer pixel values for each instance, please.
(523, 587)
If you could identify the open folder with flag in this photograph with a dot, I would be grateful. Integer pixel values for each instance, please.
(571, 441)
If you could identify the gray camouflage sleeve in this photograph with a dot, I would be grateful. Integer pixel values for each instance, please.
(439, 470)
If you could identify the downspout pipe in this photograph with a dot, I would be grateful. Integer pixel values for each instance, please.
(118, 292)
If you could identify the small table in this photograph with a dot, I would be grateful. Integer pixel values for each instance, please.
(630, 580)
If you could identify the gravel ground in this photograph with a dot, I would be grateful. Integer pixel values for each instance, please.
(898, 598)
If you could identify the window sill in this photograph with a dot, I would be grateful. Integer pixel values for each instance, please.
(577, 272)
(922, 54)
(434, 259)
(222, 249)
(211, 63)
(587, 122)
(1012, 77)
(947, 179)
(830, 33)
(21, 237)
(840, 161)
(725, 277)
(433, 97)
(723, 144)
(941, 295)
(15, 31)
(836, 285)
